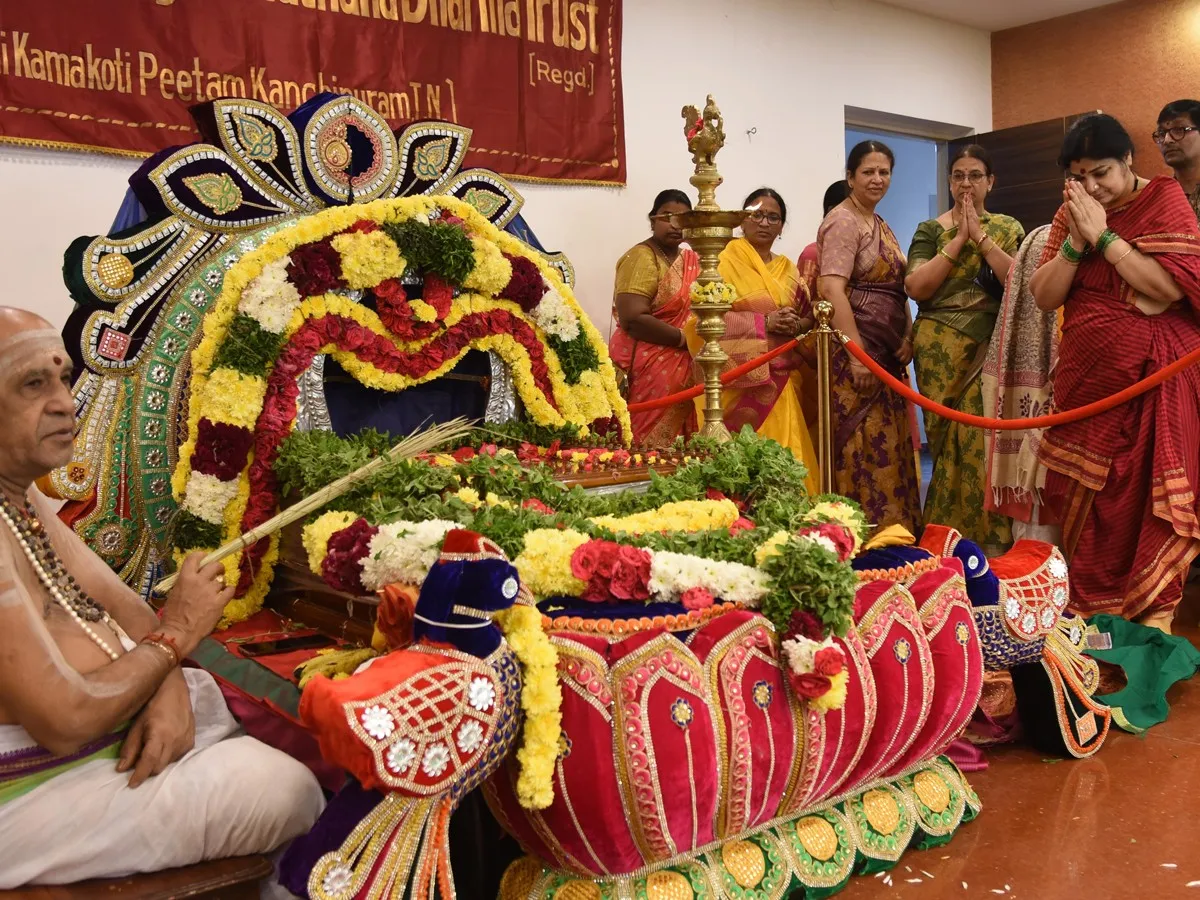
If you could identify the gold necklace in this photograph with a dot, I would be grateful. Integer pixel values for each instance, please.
(868, 219)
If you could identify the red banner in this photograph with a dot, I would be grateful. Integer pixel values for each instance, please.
(537, 80)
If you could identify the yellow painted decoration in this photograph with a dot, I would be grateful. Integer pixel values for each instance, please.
(668, 886)
(817, 837)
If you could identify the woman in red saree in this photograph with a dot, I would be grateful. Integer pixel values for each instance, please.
(651, 307)
(1123, 261)
(862, 275)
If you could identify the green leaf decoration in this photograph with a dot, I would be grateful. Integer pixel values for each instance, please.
(248, 347)
(218, 191)
(440, 248)
(575, 357)
(256, 138)
(431, 159)
(488, 203)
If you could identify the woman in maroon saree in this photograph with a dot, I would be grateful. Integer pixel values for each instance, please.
(1123, 260)
(651, 304)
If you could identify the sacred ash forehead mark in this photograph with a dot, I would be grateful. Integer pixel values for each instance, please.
(19, 350)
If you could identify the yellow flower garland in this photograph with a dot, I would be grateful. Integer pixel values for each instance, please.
(545, 562)
(835, 697)
(227, 396)
(316, 535)
(368, 259)
(541, 700)
(685, 515)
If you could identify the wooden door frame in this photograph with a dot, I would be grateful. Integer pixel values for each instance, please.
(941, 133)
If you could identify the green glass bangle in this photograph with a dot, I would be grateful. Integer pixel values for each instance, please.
(1107, 238)
(1070, 254)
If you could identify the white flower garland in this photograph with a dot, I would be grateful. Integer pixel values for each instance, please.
(403, 552)
(555, 317)
(671, 574)
(207, 496)
(270, 299)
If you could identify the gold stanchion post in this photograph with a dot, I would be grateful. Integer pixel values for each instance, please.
(707, 229)
(824, 335)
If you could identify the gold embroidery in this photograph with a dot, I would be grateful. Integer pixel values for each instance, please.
(932, 790)
(817, 837)
(668, 886)
(217, 190)
(115, 271)
(745, 862)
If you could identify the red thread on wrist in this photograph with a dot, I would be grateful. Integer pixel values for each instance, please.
(166, 642)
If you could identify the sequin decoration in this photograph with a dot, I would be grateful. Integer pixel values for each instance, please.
(681, 713)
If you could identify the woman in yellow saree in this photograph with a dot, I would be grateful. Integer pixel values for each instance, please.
(764, 315)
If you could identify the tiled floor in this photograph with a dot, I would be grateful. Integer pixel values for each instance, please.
(1121, 824)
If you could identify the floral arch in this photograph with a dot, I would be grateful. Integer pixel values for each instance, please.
(444, 280)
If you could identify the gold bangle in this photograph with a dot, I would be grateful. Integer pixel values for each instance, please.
(1121, 258)
(947, 257)
(986, 238)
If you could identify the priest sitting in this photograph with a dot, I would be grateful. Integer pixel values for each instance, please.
(114, 760)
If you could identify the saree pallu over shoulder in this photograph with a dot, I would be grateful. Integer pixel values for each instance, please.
(652, 370)
(1133, 471)
(873, 450)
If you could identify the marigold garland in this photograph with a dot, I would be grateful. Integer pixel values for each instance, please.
(686, 516)
(541, 700)
(344, 246)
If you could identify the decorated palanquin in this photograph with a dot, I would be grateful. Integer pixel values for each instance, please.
(193, 214)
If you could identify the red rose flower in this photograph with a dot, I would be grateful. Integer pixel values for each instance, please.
(450, 218)
(697, 598)
(714, 494)
(438, 294)
(805, 624)
(741, 524)
(462, 454)
(585, 560)
(535, 504)
(630, 578)
(307, 341)
(315, 269)
(829, 661)
(526, 287)
(596, 591)
(810, 686)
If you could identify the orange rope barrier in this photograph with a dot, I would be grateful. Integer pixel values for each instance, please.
(1060, 418)
(736, 372)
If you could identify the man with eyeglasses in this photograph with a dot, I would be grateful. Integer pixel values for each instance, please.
(1178, 138)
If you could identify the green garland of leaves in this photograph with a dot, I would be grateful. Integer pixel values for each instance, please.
(767, 475)
(438, 247)
(575, 357)
(248, 347)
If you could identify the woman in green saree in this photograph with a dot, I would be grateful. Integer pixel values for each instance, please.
(957, 266)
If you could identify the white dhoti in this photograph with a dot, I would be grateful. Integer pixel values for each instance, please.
(230, 796)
